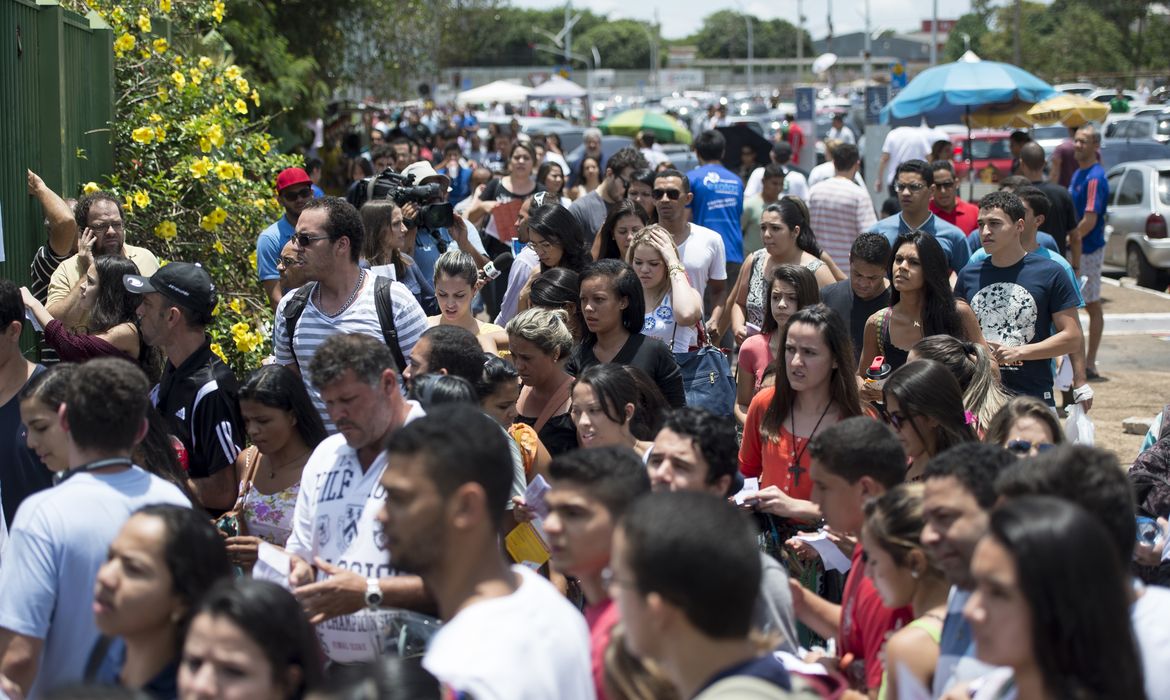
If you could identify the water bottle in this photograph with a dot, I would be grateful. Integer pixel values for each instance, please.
(878, 372)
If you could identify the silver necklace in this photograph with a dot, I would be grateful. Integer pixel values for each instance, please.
(348, 302)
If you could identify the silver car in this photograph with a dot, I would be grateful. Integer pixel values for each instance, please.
(1135, 222)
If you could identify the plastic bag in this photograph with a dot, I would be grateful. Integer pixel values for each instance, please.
(1078, 427)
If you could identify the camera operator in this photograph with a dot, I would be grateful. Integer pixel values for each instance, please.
(426, 244)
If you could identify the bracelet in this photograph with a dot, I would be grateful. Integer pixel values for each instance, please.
(676, 268)
(1082, 393)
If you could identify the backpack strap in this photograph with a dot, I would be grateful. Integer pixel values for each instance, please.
(292, 313)
(384, 302)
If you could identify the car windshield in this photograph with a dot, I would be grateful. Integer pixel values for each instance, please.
(1164, 186)
(984, 148)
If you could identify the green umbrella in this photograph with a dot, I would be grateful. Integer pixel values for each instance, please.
(665, 128)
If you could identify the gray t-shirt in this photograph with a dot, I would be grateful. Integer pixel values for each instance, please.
(774, 611)
(590, 211)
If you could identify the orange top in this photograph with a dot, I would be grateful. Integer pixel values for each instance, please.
(772, 459)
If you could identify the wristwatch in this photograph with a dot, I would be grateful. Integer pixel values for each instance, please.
(373, 594)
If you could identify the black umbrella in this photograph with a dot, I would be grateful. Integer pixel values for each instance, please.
(737, 137)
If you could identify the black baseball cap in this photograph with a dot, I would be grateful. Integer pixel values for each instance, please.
(186, 284)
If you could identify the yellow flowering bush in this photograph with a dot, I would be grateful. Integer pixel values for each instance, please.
(194, 164)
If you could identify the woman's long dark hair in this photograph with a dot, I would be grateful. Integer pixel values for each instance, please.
(627, 207)
(556, 289)
(275, 621)
(376, 217)
(555, 224)
(794, 212)
(195, 555)
(542, 175)
(276, 386)
(802, 280)
(940, 313)
(157, 453)
(581, 170)
(927, 388)
(1082, 635)
(114, 303)
(842, 382)
(625, 285)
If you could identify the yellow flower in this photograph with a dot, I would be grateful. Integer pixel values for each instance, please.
(205, 144)
(256, 98)
(207, 224)
(128, 205)
(232, 72)
(196, 76)
(252, 259)
(118, 15)
(216, 310)
(144, 23)
(144, 53)
(163, 93)
(90, 188)
(204, 62)
(155, 117)
(166, 230)
(217, 81)
(241, 106)
(215, 348)
(238, 171)
(143, 134)
(235, 304)
(240, 328)
(224, 170)
(217, 12)
(124, 43)
(218, 215)
(201, 167)
(160, 133)
(177, 60)
(164, 5)
(242, 85)
(263, 146)
(218, 247)
(215, 134)
(161, 45)
(141, 199)
(180, 79)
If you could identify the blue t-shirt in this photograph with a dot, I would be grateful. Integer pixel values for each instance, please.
(427, 245)
(1045, 241)
(718, 205)
(59, 539)
(268, 246)
(1090, 192)
(460, 184)
(1015, 306)
(952, 240)
(1053, 255)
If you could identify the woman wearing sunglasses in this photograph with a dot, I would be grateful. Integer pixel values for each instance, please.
(1026, 426)
(921, 304)
(924, 406)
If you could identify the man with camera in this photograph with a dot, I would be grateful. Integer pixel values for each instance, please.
(430, 221)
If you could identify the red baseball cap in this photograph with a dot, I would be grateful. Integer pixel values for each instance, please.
(291, 176)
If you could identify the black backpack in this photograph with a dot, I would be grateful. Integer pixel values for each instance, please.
(383, 302)
(1150, 474)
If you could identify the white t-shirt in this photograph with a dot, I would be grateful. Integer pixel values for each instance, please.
(1150, 616)
(313, 327)
(827, 171)
(703, 256)
(530, 645)
(795, 183)
(336, 519)
(902, 144)
(659, 324)
(60, 537)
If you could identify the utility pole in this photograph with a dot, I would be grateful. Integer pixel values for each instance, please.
(751, 53)
(654, 57)
(568, 33)
(867, 65)
(1016, 33)
(799, 39)
(934, 34)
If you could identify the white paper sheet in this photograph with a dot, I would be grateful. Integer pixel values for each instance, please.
(272, 564)
(831, 555)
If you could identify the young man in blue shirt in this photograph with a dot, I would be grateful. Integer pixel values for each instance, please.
(718, 197)
(294, 189)
(912, 182)
(1086, 242)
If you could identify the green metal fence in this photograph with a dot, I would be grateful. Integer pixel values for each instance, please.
(56, 104)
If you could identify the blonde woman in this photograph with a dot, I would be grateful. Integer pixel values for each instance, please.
(673, 307)
(540, 343)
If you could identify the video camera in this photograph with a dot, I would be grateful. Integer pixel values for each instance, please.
(401, 189)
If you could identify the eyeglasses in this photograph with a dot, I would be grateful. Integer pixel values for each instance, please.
(303, 193)
(909, 187)
(291, 262)
(304, 240)
(543, 245)
(609, 580)
(669, 194)
(1023, 447)
(944, 185)
(116, 227)
(894, 418)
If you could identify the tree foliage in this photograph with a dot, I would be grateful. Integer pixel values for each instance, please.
(724, 35)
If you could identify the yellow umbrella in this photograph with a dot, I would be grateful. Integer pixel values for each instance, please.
(1069, 110)
(1011, 117)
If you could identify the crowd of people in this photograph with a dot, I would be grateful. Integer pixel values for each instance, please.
(614, 431)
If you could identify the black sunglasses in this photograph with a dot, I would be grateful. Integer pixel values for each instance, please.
(304, 240)
(669, 194)
(1023, 447)
(304, 193)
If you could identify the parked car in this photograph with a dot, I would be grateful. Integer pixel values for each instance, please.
(1135, 221)
(1131, 96)
(991, 155)
(1115, 151)
(1132, 128)
(1075, 88)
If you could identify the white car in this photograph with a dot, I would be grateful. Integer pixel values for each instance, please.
(1135, 221)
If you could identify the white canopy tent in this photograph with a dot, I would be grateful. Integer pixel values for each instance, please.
(499, 91)
(557, 87)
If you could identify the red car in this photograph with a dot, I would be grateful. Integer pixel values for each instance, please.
(991, 155)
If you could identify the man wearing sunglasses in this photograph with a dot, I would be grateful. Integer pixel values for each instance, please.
(699, 248)
(294, 189)
(913, 182)
(945, 202)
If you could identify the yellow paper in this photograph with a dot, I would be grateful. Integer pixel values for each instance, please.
(525, 544)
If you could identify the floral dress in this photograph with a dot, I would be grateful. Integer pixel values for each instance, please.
(268, 516)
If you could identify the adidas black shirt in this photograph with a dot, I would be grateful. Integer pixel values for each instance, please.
(199, 400)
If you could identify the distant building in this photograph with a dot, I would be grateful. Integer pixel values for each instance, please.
(907, 48)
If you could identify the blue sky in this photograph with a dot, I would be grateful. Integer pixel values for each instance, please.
(681, 17)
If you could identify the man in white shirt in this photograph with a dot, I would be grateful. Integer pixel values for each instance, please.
(839, 132)
(61, 535)
(700, 249)
(795, 179)
(903, 143)
(508, 634)
(341, 570)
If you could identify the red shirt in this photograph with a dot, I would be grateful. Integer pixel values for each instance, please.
(601, 618)
(965, 215)
(796, 138)
(865, 622)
